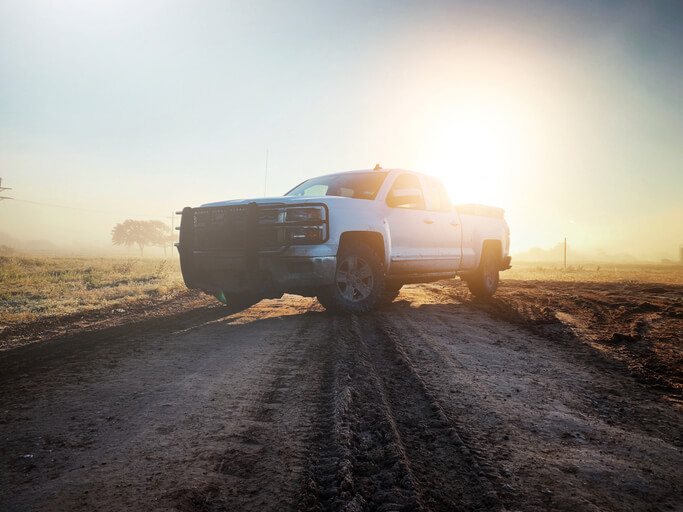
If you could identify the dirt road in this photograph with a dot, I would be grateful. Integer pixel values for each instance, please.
(439, 402)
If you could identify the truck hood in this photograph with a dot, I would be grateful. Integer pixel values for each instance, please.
(329, 200)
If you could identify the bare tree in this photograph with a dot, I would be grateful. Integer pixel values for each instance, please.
(142, 233)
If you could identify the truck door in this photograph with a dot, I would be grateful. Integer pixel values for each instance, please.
(414, 231)
(448, 220)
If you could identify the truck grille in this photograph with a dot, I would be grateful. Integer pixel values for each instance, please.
(255, 227)
(220, 228)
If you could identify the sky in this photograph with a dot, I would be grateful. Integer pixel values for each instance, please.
(567, 114)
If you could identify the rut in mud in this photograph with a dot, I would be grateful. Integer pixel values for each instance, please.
(374, 437)
(385, 441)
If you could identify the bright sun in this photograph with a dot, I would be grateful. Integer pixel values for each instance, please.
(472, 145)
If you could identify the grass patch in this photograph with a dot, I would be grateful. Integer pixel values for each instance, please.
(32, 288)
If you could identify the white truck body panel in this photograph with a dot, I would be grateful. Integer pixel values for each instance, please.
(476, 230)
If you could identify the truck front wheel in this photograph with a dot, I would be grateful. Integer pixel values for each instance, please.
(358, 281)
(484, 282)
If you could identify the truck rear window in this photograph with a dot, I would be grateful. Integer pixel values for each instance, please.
(362, 185)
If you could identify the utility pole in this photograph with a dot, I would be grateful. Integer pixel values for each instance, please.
(565, 252)
(2, 189)
(265, 178)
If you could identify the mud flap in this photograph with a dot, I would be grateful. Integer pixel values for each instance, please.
(220, 296)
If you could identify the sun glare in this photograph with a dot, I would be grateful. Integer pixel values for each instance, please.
(472, 145)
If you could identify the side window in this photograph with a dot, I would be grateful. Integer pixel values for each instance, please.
(406, 192)
(437, 194)
(315, 190)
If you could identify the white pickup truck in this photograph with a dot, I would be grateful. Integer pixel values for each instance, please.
(351, 239)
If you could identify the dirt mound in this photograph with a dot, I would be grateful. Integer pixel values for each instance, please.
(633, 323)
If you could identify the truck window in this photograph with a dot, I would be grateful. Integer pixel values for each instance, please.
(406, 192)
(437, 194)
(362, 185)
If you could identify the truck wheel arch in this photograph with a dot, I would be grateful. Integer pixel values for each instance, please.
(494, 247)
(372, 239)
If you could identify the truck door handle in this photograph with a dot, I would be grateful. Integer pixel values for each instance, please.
(429, 221)
(454, 223)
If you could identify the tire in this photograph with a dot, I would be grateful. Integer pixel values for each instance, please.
(484, 282)
(391, 291)
(358, 281)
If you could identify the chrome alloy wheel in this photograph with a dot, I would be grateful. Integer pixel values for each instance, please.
(355, 278)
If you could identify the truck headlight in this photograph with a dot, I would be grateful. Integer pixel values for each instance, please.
(294, 225)
(308, 234)
(305, 214)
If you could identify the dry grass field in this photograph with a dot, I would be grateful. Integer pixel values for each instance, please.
(32, 288)
(596, 273)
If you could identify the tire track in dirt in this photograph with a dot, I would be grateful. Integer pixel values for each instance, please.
(543, 424)
(53, 353)
(216, 421)
(355, 461)
(262, 463)
(448, 475)
(383, 442)
(433, 363)
(544, 323)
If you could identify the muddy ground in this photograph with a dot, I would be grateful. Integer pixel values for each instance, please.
(550, 396)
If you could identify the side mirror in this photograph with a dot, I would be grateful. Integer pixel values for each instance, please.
(405, 198)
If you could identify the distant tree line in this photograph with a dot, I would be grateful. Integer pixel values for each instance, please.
(143, 233)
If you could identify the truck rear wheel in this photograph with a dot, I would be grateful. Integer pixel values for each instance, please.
(358, 281)
(484, 282)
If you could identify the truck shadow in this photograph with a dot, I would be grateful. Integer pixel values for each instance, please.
(41, 356)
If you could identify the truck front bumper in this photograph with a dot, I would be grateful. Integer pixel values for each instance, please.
(252, 248)
(265, 274)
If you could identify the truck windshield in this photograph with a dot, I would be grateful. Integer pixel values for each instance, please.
(357, 185)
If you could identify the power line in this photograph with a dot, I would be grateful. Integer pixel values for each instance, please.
(48, 204)
(60, 206)
(63, 207)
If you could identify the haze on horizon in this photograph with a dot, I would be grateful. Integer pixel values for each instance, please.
(568, 115)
